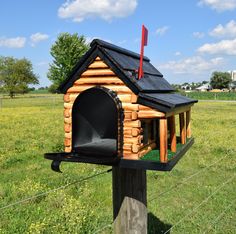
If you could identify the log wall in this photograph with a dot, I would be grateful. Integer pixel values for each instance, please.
(98, 73)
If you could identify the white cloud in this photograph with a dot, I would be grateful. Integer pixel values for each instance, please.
(161, 31)
(192, 65)
(229, 30)
(16, 42)
(37, 37)
(227, 47)
(177, 53)
(219, 5)
(79, 10)
(42, 64)
(198, 35)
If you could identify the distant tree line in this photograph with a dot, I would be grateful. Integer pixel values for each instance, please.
(218, 80)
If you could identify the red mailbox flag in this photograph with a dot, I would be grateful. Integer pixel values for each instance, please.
(143, 43)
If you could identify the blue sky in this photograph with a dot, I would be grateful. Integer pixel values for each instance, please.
(188, 39)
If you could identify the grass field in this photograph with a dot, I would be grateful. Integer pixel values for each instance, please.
(198, 196)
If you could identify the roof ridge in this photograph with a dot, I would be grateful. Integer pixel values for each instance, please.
(116, 48)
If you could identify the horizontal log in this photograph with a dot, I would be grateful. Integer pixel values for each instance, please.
(136, 148)
(68, 105)
(130, 115)
(130, 106)
(142, 107)
(127, 146)
(73, 97)
(67, 149)
(98, 64)
(116, 88)
(68, 120)
(67, 142)
(134, 98)
(136, 131)
(133, 140)
(67, 113)
(135, 123)
(143, 114)
(131, 156)
(127, 131)
(68, 135)
(79, 89)
(127, 151)
(97, 59)
(124, 97)
(67, 127)
(146, 149)
(98, 72)
(66, 98)
(132, 131)
(99, 81)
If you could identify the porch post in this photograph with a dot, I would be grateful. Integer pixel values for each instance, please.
(163, 140)
(172, 134)
(188, 126)
(182, 125)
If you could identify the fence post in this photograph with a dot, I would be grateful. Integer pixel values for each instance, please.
(129, 200)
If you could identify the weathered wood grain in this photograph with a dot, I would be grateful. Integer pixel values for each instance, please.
(129, 201)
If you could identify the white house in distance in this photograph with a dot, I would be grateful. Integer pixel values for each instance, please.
(233, 75)
(204, 88)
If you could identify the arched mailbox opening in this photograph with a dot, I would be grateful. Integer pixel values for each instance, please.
(96, 123)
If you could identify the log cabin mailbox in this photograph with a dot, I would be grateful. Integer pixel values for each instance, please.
(112, 117)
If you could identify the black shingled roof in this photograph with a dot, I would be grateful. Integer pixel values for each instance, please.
(152, 90)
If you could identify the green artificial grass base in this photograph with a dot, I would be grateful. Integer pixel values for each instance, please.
(154, 155)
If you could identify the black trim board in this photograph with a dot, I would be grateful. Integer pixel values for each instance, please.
(120, 162)
(156, 106)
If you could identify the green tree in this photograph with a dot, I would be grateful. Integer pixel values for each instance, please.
(66, 52)
(220, 80)
(16, 75)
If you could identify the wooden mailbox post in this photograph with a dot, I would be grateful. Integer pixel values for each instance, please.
(111, 117)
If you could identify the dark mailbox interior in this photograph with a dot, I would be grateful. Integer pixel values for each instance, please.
(95, 118)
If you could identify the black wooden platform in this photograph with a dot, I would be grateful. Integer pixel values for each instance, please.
(57, 158)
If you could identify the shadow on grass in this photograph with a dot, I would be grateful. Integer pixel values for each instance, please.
(156, 226)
